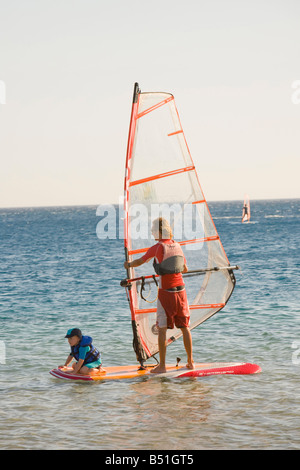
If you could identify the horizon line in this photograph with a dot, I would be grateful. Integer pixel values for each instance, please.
(117, 203)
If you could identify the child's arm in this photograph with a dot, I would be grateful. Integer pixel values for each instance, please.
(78, 366)
(68, 360)
(83, 350)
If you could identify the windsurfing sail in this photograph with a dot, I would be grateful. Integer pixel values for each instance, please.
(161, 180)
(246, 209)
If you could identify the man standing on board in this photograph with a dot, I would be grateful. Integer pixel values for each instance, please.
(172, 304)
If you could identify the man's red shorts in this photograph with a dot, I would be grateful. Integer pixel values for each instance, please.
(172, 309)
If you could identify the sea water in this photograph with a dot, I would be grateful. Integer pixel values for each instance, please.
(55, 274)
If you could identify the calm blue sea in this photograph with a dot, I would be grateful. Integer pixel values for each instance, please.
(56, 274)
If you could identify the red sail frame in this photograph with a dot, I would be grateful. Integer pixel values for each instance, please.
(142, 348)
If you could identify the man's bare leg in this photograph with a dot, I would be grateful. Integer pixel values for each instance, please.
(161, 367)
(187, 341)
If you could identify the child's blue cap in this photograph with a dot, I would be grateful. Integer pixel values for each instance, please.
(73, 332)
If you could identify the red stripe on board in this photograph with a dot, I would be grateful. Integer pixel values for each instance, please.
(61, 374)
(239, 369)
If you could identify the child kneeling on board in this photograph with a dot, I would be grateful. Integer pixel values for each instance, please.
(88, 360)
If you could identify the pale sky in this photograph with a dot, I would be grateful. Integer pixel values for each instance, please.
(69, 67)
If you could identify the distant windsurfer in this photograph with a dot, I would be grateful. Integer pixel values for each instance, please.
(172, 304)
(245, 213)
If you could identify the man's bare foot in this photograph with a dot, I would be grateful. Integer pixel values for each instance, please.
(158, 370)
(190, 365)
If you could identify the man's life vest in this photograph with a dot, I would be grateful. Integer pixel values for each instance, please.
(172, 261)
(92, 355)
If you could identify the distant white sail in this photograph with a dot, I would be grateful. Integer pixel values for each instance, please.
(246, 209)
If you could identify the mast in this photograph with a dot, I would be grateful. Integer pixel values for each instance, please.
(137, 346)
(131, 134)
